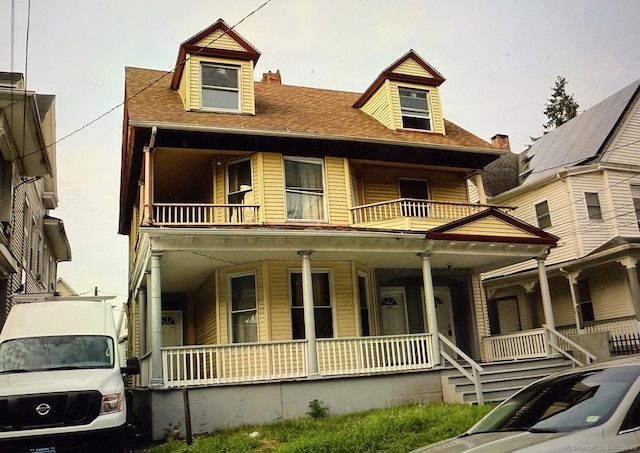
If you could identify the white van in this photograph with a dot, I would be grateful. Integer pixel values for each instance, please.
(61, 385)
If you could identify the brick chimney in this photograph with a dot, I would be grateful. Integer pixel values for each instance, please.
(272, 77)
(501, 141)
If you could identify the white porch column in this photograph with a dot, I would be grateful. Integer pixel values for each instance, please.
(629, 262)
(573, 281)
(142, 322)
(430, 305)
(545, 294)
(309, 314)
(477, 179)
(146, 186)
(156, 380)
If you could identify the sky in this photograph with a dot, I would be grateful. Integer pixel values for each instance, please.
(500, 59)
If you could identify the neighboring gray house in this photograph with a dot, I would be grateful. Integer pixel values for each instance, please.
(32, 242)
(581, 183)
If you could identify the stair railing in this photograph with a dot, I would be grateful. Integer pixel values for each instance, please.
(551, 339)
(476, 369)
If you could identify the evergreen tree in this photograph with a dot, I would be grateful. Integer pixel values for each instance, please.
(560, 107)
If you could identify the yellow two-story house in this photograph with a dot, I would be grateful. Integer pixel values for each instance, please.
(293, 235)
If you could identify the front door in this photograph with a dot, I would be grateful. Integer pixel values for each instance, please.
(508, 315)
(172, 328)
(393, 311)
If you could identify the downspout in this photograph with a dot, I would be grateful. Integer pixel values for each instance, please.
(147, 214)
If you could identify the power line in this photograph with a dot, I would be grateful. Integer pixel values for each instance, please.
(99, 117)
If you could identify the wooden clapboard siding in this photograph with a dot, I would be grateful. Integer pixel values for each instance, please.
(608, 284)
(379, 106)
(280, 298)
(192, 92)
(624, 148)
(205, 331)
(257, 176)
(618, 186)
(410, 67)
(344, 318)
(591, 234)
(491, 226)
(183, 88)
(273, 187)
(219, 39)
(337, 190)
(189, 320)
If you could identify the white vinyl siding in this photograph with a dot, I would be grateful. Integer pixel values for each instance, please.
(624, 148)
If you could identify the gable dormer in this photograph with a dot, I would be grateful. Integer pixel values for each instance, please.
(405, 96)
(214, 71)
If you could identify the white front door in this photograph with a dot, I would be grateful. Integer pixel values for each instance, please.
(393, 311)
(172, 328)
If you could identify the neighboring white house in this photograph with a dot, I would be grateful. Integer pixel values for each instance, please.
(581, 183)
(32, 242)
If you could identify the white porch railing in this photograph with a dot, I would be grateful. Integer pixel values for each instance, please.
(473, 376)
(144, 377)
(254, 362)
(347, 356)
(185, 214)
(206, 365)
(518, 345)
(561, 344)
(413, 207)
(616, 327)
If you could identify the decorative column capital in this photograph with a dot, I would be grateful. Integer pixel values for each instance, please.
(304, 253)
(426, 255)
(628, 261)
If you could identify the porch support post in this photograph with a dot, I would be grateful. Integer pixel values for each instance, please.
(309, 315)
(142, 320)
(545, 294)
(156, 380)
(477, 179)
(629, 262)
(430, 302)
(146, 187)
(573, 282)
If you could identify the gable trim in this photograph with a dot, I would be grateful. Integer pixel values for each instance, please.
(388, 74)
(190, 47)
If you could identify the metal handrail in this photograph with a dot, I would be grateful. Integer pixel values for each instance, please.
(551, 334)
(476, 369)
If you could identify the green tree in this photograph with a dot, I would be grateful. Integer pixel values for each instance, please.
(560, 107)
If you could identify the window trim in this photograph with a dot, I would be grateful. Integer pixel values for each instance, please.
(230, 309)
(309, 160)
(589, 197)
(332, 299)
(237, 90)
(415, 113)
(546, 215)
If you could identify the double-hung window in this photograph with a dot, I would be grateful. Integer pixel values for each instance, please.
(593, 205)
(321, 305)
(414, 105)
(304, 187)
(244, 309)
(635, 196)
(585, 302)
(542, 215)
(220, 87)
(239, 180)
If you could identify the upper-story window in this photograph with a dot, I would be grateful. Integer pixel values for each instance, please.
(593, 205)
(542, 215)
(220, 87)
(239, 181)
(414, 105)
(304, 187)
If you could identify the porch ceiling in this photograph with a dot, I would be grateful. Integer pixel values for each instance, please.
(190, 255)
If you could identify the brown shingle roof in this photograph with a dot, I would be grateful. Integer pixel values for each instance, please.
(280, 108)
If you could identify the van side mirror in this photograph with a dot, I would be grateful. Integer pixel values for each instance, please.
(133, 366)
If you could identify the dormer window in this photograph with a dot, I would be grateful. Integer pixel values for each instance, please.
(220, 87)
(414, 105)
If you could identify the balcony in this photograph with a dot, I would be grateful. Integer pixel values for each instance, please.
(204, 214)
(411, 213)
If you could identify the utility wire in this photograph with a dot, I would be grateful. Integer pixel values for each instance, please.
(99, 117)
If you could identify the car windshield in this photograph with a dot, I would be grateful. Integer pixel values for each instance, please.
(56, 352)
(565, 403)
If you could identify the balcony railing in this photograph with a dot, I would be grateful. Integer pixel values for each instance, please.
(186, 214)
(256, 362)
(413, 207)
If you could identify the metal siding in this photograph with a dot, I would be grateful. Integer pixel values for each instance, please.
(608, 284)
(591, 234)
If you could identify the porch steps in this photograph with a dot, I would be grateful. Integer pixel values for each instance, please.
(499, 380)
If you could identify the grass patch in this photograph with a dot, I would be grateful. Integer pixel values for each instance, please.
(390, 430)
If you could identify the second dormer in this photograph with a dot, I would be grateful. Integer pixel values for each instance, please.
(405, 96)
(214, 71)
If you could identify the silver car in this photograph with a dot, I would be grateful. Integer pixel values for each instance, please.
(585, 409)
